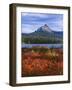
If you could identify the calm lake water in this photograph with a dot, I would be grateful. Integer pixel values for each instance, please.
(46, 45)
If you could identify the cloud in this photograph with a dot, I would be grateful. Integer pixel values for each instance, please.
(31, 21)
(38, 15)
(26, 28)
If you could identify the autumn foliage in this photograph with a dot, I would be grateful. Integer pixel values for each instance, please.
(41, 61)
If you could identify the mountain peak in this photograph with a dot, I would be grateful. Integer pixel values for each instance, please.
(46, 25)
(45, 28)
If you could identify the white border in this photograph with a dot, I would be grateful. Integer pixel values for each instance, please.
(63, 77)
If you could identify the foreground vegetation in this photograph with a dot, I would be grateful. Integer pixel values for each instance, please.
(42, 61)
(41, 39)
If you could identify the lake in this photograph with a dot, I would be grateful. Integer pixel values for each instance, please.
(46, 45)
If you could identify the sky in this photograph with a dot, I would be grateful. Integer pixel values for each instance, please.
(30, 22)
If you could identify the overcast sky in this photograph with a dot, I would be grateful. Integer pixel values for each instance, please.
(32, 21)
